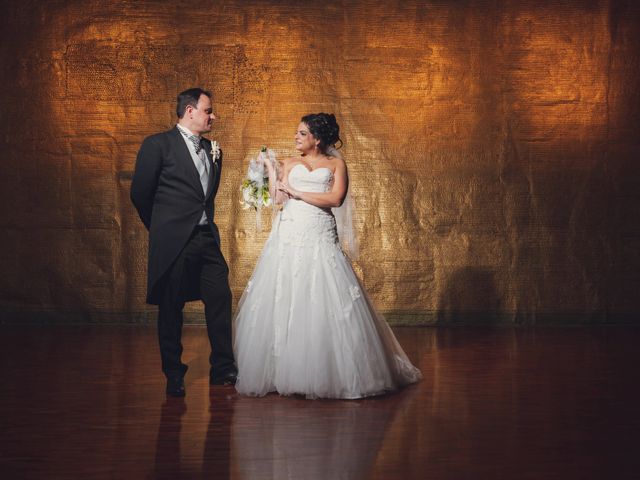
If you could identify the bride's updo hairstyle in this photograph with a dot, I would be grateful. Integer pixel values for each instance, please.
(324, 127)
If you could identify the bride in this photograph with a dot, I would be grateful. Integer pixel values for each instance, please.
(304, 324)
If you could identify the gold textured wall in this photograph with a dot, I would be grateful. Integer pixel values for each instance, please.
(492, 146)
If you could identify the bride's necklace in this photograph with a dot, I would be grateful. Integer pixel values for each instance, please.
(312, 161)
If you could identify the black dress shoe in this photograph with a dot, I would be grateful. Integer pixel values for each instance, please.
(175, 387)
(227, 379)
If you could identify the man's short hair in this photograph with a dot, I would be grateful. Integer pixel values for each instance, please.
(189, 97)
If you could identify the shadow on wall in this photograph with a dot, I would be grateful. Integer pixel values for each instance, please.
(471, 297)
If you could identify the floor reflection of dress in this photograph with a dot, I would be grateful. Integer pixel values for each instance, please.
(295, 439)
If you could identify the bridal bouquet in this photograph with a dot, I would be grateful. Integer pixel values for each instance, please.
(255, 187)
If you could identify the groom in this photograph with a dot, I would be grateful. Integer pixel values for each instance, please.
(174, 184)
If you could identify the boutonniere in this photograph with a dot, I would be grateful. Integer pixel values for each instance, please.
(215, 150)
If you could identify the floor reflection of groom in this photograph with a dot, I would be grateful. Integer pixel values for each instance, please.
(175, 181)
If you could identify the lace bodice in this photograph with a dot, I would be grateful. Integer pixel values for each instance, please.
(305, 180)
(303, 221)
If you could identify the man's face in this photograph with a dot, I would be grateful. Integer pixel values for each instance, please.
(201, 118)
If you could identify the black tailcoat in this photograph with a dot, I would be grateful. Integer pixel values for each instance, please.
(167, 193)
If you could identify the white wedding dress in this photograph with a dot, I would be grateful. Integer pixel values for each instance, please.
(304, 324)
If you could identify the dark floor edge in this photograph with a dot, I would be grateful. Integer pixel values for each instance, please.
(12, 316)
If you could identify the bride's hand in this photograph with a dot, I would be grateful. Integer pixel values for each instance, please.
(287, 190)
(263, 160)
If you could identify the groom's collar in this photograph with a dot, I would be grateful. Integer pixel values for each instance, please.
(185, 130)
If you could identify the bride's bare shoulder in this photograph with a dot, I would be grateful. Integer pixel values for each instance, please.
(338, 162)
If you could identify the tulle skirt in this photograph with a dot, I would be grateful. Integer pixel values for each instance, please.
(306, 326)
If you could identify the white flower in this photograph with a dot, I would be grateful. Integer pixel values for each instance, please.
(255, 175)
(215, 150)
(354, 291)
(255, 187)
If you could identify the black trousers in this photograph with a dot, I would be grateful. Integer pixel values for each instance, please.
(200, 267)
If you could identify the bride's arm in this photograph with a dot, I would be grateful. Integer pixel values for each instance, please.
(331, 199)
(278, 196)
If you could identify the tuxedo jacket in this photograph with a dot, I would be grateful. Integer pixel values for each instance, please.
(167, 193)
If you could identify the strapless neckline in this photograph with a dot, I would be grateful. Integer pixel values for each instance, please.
(311, 171)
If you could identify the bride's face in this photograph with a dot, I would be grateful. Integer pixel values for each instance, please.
(305, 141)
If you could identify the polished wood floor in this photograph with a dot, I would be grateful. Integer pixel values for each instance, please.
(529, 403)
